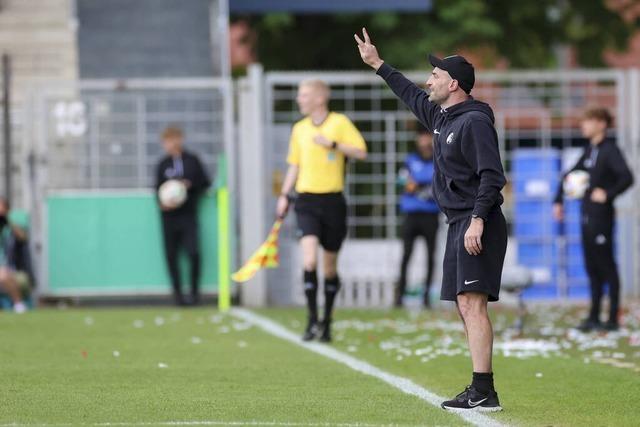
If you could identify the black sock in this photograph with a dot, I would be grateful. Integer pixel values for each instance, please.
(331, 288)
(311, 292)
(483, 382)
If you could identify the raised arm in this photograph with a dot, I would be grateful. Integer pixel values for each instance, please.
(412, 95)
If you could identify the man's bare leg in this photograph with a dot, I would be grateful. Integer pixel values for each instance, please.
(464, 325)
(473, 308)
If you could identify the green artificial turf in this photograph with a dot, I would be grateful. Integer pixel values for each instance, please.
(59, 367)
(572, 385)
(155, 365)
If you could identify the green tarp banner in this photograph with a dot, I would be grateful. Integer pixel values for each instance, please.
(111, 244)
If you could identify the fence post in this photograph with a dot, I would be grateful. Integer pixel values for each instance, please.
(6, 123)
(390, 148)
(252, 183)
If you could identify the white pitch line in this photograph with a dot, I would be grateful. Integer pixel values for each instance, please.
(403, 384)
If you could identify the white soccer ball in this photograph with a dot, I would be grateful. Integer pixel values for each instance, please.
(172, 193)
(575, 184)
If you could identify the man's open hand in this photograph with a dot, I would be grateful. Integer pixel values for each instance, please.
(368, 51)
(473, 237)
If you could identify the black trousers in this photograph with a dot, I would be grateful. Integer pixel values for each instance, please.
(181, 231)
(597, 245)
(417, 225)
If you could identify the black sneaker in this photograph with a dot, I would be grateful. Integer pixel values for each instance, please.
(589, 325)
(472, 400)
(326, 332)
(610, 326)
(311, 331)
(426, 302)
(397, 297)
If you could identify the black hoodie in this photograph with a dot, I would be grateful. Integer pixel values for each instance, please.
(468, 174)
(607, 170)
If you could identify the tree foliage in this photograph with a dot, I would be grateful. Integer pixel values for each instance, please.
(525, 33)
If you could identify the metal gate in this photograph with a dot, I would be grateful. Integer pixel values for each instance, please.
(534, 109)
(104, 135)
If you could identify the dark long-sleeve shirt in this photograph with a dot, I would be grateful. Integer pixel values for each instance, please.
(607, 169)
(468, 173)
(187, 167)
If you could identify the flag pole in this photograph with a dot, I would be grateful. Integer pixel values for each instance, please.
(224, 284)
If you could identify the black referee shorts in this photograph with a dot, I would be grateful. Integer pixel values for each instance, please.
(324, 216)
(474, 273)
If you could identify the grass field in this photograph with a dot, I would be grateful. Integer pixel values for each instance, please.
(199, 367)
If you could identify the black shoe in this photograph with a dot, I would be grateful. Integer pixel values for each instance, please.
(311, 332)
(589, 325)
(472, 400)
(610, 326)
(426, 303)
(326, 332)
(397, 297)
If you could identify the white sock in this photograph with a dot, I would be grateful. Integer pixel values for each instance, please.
(19, 307)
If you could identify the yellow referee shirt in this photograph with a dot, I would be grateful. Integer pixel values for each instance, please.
(321, 170)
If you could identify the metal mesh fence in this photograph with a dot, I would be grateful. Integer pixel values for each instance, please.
(537, 110)
(532, 110)
(110, 138)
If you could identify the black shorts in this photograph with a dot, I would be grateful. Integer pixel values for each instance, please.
(324, 216)
(474, 273)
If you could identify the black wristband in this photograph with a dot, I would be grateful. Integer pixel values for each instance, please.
(334, 145)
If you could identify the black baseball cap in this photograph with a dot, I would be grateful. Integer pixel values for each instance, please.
(458, 68)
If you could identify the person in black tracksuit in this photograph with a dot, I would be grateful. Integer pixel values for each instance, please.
(420, 210)
(180, 225)
(467, 180)
(609, 176)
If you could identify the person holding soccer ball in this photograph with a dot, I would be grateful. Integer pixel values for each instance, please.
(180, 222)
(609, 176)
(319, 146)
(467, 181)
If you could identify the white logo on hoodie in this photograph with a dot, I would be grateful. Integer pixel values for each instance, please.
(450, 138)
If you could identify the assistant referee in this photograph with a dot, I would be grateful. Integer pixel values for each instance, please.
(318, 149)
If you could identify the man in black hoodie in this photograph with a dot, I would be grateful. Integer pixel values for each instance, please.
(467, 181)
(609, 176)
(180, 224)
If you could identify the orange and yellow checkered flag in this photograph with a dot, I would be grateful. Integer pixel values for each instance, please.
(266, 256)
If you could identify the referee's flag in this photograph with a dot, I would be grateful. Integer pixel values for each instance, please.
(266, 256)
